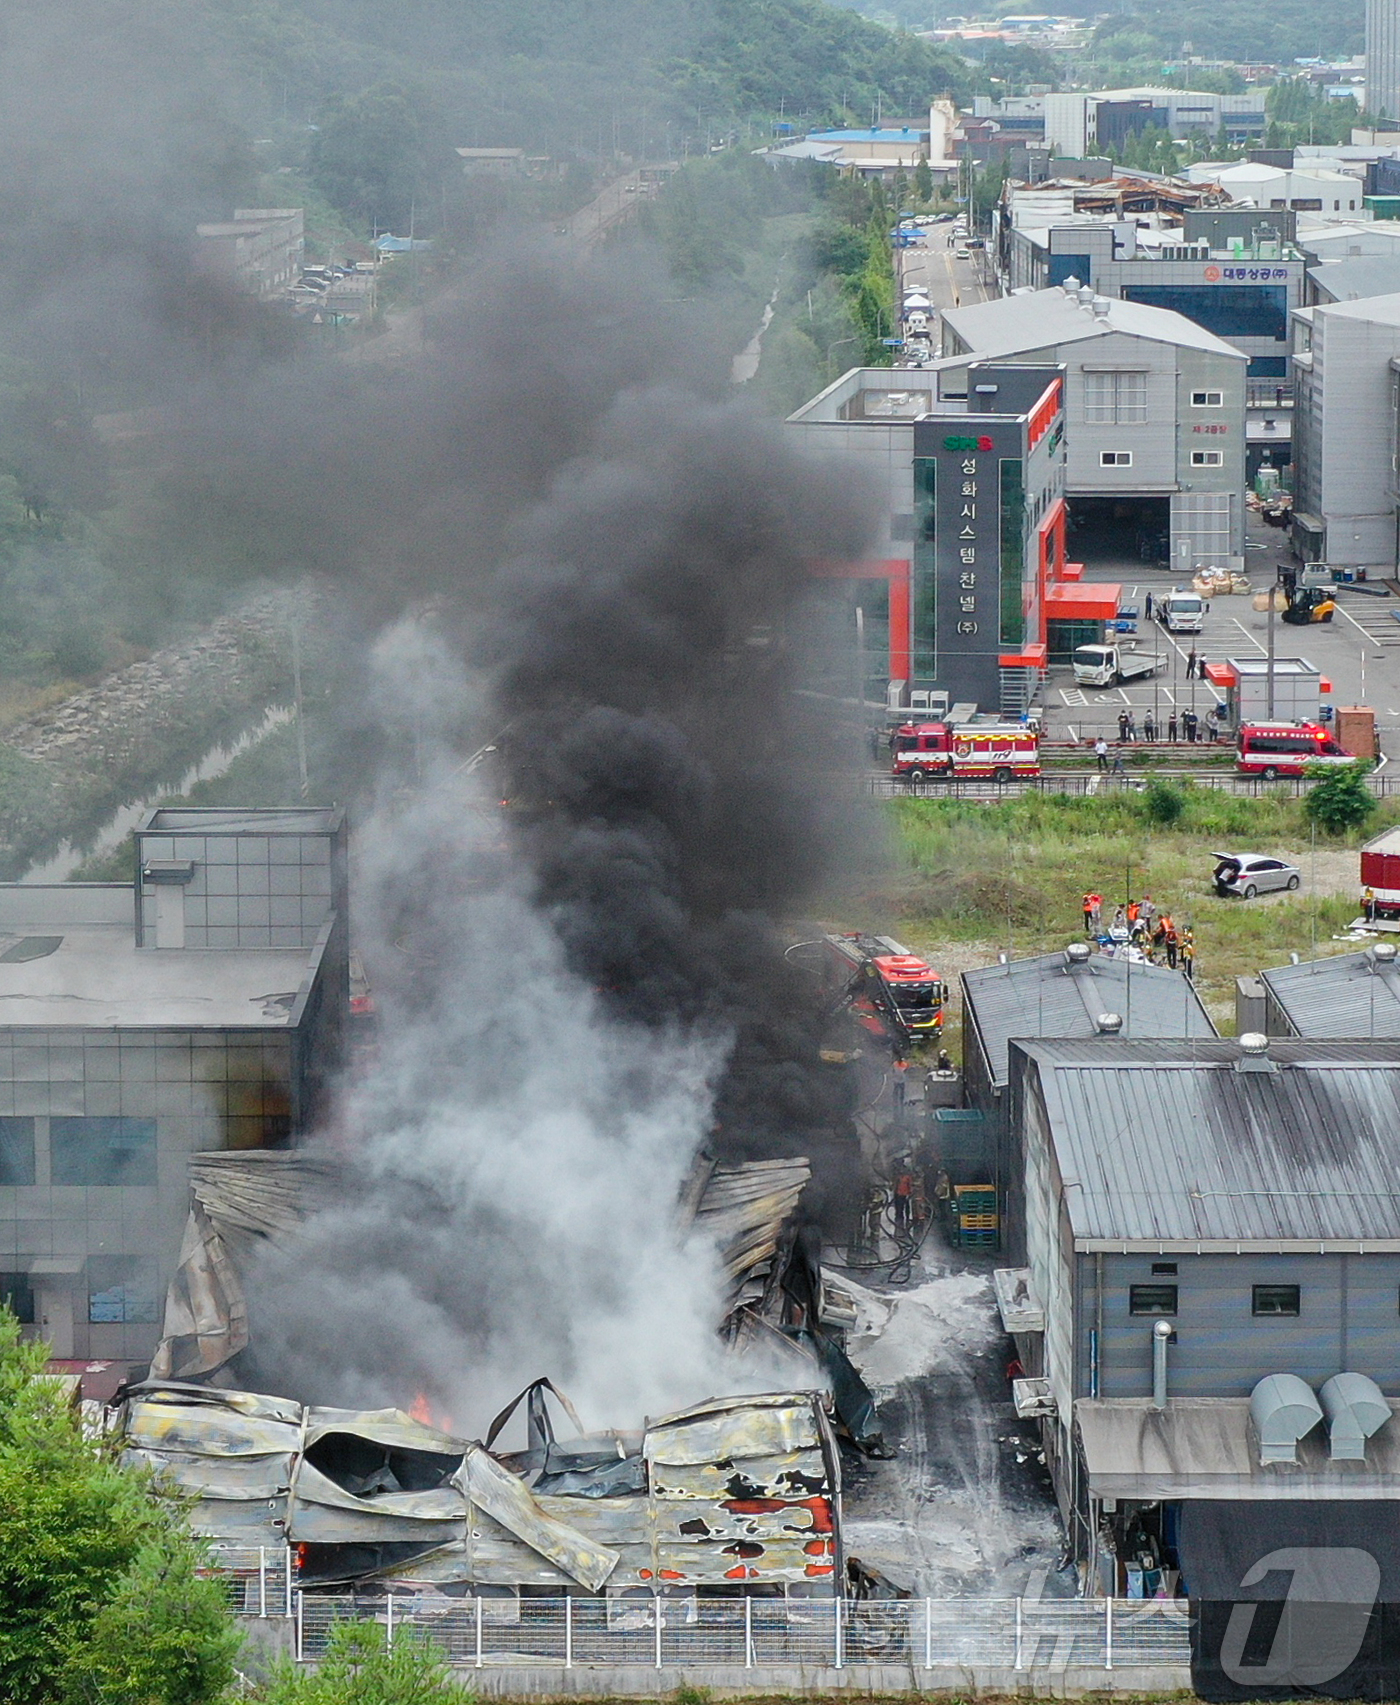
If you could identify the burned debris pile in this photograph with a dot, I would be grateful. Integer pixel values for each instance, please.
(732, 1495)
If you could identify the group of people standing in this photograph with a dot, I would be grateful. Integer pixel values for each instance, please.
(1141, 924)
(1186, 724)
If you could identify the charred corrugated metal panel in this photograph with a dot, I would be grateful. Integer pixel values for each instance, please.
(244, 1524)
(762, 1427)
(791, 1478)
(746, 1560)
(237, 1477)
(755, 1518)
(321, 1512)
(506, 1498)
(604, 1521)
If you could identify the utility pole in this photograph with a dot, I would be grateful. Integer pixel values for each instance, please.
(1273, 598)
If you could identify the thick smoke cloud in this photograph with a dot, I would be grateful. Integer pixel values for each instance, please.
(582, 987)
(547, 527)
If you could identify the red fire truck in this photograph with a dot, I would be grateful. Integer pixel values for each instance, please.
(936, 751)
(1380, 872)
(896, 987)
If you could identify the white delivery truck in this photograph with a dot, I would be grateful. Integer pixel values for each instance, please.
(1181, 612)
(1111, 665)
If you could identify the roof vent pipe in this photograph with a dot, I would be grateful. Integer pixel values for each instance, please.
(1077, 953)
(1100, 307)
(1086, 295)
(1161, 1337)
(1383, 953)
(1283, 1410)
(1254, 1053)
(1071, 286)
(1355, 1408)
(1108, 1023)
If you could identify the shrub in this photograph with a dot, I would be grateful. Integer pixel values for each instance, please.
(1339, 800)
(1164, 803)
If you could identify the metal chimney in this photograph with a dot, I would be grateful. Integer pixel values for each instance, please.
(1161, 1337)
(1108, 1023)
(1283, 1410)
(1355, 1408)
(1254, 1053)
(1077, 953)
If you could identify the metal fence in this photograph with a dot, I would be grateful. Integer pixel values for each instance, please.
(1079, 783)
(257, 1580)
(1013, 1634)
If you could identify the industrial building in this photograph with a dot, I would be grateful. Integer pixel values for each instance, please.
(258, 251)
(1383, 58)
(198, 1008)
(1086, 122)
(1346, 357)
(1154, 413)
(1207, 1313)
(1077, 994)
(956, 597)
(1346, 995)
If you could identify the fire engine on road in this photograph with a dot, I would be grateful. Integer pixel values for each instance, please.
(937, 751)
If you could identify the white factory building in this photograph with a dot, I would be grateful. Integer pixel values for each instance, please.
(1154, 413)
(1346, 362)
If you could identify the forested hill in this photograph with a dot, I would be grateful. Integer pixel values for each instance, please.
(1277, 31)
(557, 73)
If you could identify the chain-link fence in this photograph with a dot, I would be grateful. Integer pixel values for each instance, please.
(1014, 1634)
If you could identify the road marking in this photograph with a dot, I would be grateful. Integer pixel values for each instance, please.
(1072, 695)
(1263, 650)
(1168, 694)
(1385, 635)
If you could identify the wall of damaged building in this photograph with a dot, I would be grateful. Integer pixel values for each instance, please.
(96, 1129)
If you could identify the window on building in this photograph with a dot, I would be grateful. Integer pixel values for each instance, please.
(103, 1151)
(121, 1290)
(1207, 458)
(16, 1151)
(1207, 399)
(17, 1293)
(1115, 399)
(1166, 1269)
(1115, 458)
(1277, 1299)
(1228, 310)
(1151, 1299)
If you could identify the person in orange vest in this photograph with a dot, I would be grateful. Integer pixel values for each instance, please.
(1134, 912)
(1173, 941)
(1088, 914)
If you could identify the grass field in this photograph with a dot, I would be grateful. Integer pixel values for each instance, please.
(974, 880)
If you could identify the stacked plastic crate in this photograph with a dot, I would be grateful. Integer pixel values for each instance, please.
(975, 1206)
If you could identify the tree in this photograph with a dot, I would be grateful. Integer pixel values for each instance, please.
(359, 1668)
(1340, 799)
(93, 1568)
(379, 156)
(923, 180)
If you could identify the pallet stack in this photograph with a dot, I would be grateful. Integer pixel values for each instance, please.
(975, 1209)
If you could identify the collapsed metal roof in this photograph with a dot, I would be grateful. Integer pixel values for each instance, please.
(733, 1490)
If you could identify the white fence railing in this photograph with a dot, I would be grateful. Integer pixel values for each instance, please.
(257, 1579)
(1011, 1634)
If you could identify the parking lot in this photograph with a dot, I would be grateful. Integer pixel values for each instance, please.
(1358, 651)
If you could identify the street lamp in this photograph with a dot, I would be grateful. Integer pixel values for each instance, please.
(837, 345)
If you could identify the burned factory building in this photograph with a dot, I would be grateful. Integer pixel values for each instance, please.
(196, 1010)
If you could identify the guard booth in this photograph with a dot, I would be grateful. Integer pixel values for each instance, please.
(1241, 684)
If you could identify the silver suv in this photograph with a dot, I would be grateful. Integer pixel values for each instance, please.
(1248, 874)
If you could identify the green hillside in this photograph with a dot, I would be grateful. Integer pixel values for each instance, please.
(1277, 31)
(589, 74)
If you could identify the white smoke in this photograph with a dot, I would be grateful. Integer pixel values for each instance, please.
(517, 1151)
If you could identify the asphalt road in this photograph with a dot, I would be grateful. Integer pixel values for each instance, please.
(933, 267)
(1359, 651)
